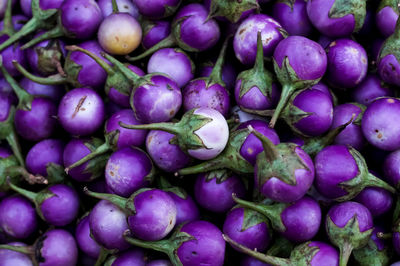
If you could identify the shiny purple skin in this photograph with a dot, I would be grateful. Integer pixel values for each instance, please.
(156, 101)
(323, 88)
(197, 24)
(5, 152)
(391, 168)
(26, 7)
(326, 255)
(333, 165)
(294, 20)
(107, 224)
(134, 257)
(53, 92)
(155, 215)
(341, 213)
(186, 208)
(371, 88)
(42, 154)
(14, 258)
(127, 137)
(124, 6)
(302, 220)
(126, 171)
(318, 13)
(59, 248)
(197, 94)
(252, 146)
(5, 106)
(254, 99)
(6, 90)
(162, 60)
(120, 98)
(38, 123)
(81, 111)
(168, 157)
(385, 21)
(216, 196)
(379, 242)
(159, 263)
(352, 134)
(91, 73)
(80, 18)
(10, 54)
(156, 9)
(50, 4)
(347, 63)
(278, 190)
(307, 58)
(250, 261)
(379, 126)
(159, 31)
(245, 39)
(389, 69)
(208, 247)
(62, 207)
(257, 236)
(84, 240)
(324, 41)
(320, 108)
(377, 200)
(73, 152)
(17, 217)
(228, 74)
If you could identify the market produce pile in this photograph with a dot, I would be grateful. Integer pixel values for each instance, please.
(215, 132)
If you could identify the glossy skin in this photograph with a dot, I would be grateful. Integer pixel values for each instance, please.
(391, 168)
(61, 208)
(156, 9)
(378, 124)
(385, 20)
(369, 89)
(250, 261)
(252, 146)
(50, 4)
(347, 63)
(124, 6)
(333, 165)
(157, 101)
(186, 208)
(257, 236)
(320, 106)
(155, 215)
(81, 111)
(59, 248)
(245, 39)
(341, 213)
(52, 92)
(9, 257)
(208, 247)
(294, 20)
(352, 134)
(168, 157)
(278, 190)
(17, 217)
(159, 263)
(377, 200)
(158, 32)
(126, 171)
(133, 256)
(107, 224)
(326, 255)
(26, 7)
(306, 57)
(197, 24)
(254, 99)
(197, 94)
(5, 103)
(127, 137)
(216, 196)
(119, 34)
(84, 240)
(323, 88)
(318, 13)
(38, 123)
(12, 53)
(228, 73)
(80, 18)
(42, 154)
(389, 69)
(183, 67)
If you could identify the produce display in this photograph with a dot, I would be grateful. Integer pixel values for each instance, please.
(199, 132)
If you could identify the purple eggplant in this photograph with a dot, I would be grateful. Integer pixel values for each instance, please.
(55, 93)
(154, 31)
(157, 9)
(159, 263)
(228, 72)
(233, 12)
(369, 89)
(377, 200)
(124, 6)
(9, 257)
(132, 257)
(342, 173)
(349, 226)
(387, 14)
(84, 240)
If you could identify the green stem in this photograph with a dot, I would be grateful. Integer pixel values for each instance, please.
(382, 235)
(102, 149)
(29, 250)
(259, 64)
(216, 73)
(114, 6)
(287, 91)
(114, 199)
(56, 32)
(267, 113)
(129, 74)
(345, 252)
(31, 26)
(26, 193)
(169, 41)
(373, 181)
(168, 127)
(102, 257)
(12, 140)
(206, 166)
(8, 27)
(270, 150)
(266, 210)
(57, 79)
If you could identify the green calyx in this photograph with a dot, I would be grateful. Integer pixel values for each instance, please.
(8, 26)
(281, 247)
(216, 74)
(230, 158)
(347, 238)
(391, 44)
(363, 179)
(163, 184)
(5, 163)
(49, 57)
(371, 255)
(15, 172)
(357, 8)
(394, 4)
(290, 3)
(170, 10)
(231, 10)
(176, 32)
(252, 218)
(55, 174)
